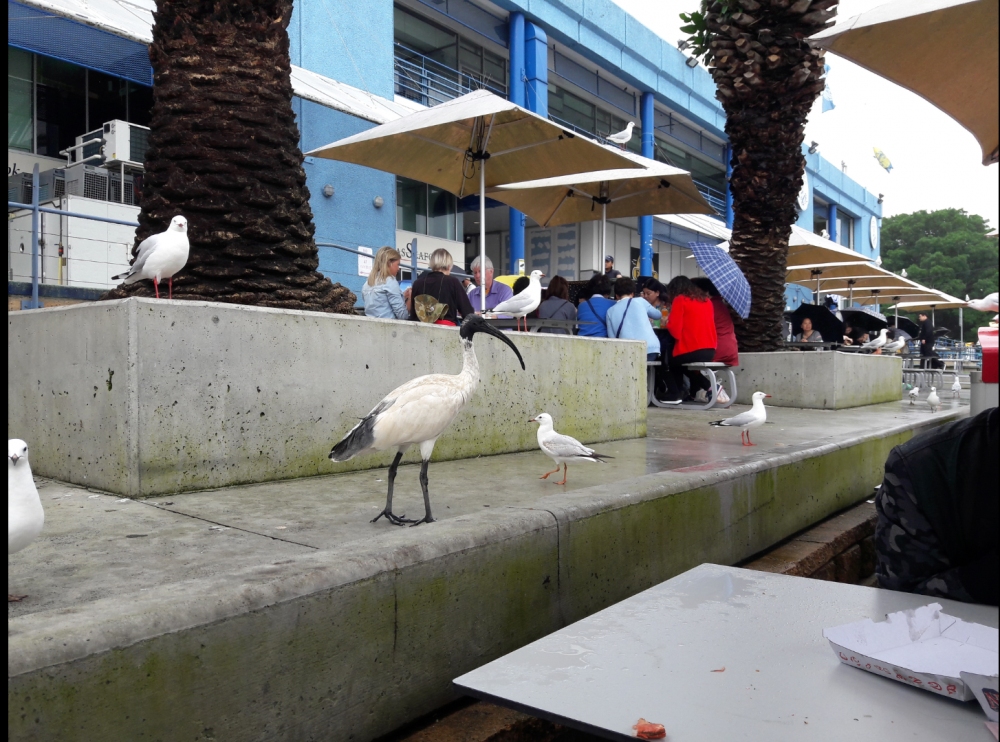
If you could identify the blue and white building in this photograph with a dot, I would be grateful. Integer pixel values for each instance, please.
(73, 65)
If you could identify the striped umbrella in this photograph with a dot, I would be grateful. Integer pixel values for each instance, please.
(725, 274)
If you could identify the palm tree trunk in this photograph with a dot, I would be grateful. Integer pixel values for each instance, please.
(767, 77)
(224, 152)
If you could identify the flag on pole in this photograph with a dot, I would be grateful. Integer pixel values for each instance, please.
(828, 104)
(883, 159)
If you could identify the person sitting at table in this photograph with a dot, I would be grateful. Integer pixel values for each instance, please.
(441, 285)
(808, 334)
(593, 308)
(655, 293)
(726, 348)
(937, 516)
(381, 292)
(496, 292)
(557, 305)
(629, 318)
(691, 338)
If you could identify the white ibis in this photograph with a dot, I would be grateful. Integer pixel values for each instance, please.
(160, 256)
(25, 516)
(878, 342)
(417, 413)
(747, 421)
(523, 304)
(933, 400)
(914, 394)
(989, 303)
(956, 388)
(562, 449)
(622, 138)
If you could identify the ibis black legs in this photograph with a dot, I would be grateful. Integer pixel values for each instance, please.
(427, 497)
(389, 515)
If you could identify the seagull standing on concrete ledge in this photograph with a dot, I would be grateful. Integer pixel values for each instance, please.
(622, 138)
(956, 388)
(418, 412)
(934, 400)
(523, 304)
(160, 256)
(874, 345)
(747, 421)
(562, 448)
(894, 346)
(25, 516)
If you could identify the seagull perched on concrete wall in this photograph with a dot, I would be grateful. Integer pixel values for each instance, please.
(878, 342)
(523, 304)
(160, 256)
(747, 421)
(562, 449)
(622, 138)
(417, 413)
(25, 516)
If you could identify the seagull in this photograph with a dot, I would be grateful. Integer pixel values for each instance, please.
(934, 400)
(914, 392)
(418, 412)
(622, 137)
(894, 346)
(562, 448)
(878, 342)
(160, 256)
(747, 421)
(523, 304)
(25, 516)
(988, 303)
(956, 387)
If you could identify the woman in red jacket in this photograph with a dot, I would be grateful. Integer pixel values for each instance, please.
(691, 326)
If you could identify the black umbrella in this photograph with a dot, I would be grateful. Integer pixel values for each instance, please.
(864, 320)
(907, 325)
(823, 320)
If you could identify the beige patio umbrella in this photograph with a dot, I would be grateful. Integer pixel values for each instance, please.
(471, 143)
(944, 301)
(839, 277)
(653, 188)
(945, 51)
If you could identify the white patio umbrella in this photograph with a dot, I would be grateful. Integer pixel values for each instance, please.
(945, 301)
(837, 277)
(945, 51)
(477, 139)
(653, 188)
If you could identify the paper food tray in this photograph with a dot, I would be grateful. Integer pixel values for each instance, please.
(922, 647)
(985, 689)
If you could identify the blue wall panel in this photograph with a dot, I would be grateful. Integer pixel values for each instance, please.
(349, 218)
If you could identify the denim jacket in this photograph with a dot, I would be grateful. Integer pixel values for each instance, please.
(384, 300)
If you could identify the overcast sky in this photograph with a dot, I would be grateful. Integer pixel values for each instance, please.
(936, 163)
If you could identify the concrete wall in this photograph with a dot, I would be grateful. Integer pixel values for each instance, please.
(821, 380)
(352, 642)
(144, 397)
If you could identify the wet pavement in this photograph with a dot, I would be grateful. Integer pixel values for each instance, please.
(96, 545)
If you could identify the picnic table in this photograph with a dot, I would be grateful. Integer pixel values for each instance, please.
(810, 346)
(721, 653)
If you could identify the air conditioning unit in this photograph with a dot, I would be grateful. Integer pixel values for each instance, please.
(52, 184)
(115, 189)
(125, 142)
(87, 181)
(82, 153)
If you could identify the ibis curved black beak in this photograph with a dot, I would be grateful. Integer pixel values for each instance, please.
(488, 328)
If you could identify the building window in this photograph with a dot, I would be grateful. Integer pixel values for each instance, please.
(568, 108)
(845, 230)
(50, 102)
(705, 173)
(426, 209)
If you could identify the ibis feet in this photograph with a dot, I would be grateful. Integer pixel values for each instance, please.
(15, 598)
(396, 520)
(425, 519)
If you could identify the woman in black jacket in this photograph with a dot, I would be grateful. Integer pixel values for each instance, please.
(439, 283)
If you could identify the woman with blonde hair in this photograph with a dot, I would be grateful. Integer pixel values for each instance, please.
(381, 292)
(445, 292)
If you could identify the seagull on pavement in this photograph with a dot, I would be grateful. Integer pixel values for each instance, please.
(562, 448)
(934, 400)
(523, 304)
(956, 387)
(989, 303)
(623, 137)
(160, 256)
(914, 392)
(878, 342)
(417, 413)
(747, 421)
(25, 516)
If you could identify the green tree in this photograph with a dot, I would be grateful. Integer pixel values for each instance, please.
(946, 250)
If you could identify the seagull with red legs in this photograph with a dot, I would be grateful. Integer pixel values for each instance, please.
(160, 256)
(747, 421)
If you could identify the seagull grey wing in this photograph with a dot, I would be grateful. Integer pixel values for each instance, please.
(146, 248)
(744, 418)
(566, 447)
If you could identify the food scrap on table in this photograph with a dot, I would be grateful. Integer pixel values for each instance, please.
(648, 730)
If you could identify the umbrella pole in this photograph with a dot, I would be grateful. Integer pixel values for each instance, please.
(482, 235)
(604, 234)
(961, 328)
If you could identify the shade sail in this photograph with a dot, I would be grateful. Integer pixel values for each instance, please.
(445, 146)
(945, 51)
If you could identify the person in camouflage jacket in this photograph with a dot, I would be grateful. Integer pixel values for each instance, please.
(937, 528)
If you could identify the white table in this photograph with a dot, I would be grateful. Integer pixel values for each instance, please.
(653, 656)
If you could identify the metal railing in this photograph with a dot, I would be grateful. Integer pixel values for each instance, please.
(430, 82)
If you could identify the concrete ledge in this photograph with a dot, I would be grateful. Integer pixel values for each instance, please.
(141, 397)
(351, 642)
(820, 379)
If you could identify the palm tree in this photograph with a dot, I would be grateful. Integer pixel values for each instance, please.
(767, 77)
(224, 152)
